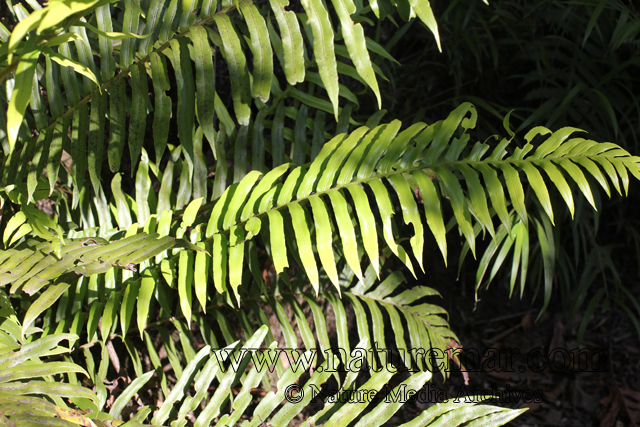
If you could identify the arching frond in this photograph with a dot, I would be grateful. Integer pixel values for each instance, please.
(219, 365)
(320, 219)
(434, 161)
(187, 42)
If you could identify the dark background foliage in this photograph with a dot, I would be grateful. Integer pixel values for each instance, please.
(555, 63)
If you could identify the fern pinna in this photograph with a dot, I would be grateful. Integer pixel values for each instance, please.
(218, 230)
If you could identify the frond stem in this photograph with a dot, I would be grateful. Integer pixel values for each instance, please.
(408, 170)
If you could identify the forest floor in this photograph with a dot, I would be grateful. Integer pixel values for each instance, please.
(605, 394)
(566, 391)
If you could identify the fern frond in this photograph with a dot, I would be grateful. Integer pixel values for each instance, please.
(357, 176)
(222, 368)
(416, 159)
(456, 412)
(138, 59)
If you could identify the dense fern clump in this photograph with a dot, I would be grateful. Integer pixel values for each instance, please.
(138, 210)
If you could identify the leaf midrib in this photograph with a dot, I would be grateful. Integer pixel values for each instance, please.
(408, 170)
